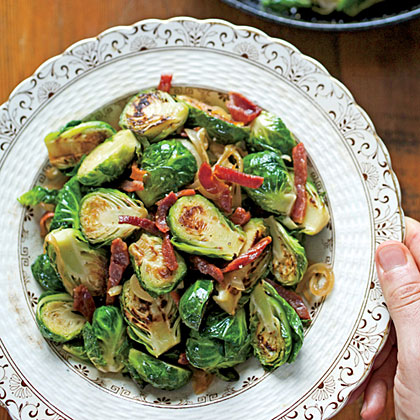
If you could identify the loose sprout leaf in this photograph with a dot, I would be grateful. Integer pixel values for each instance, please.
(45, 274)
(38, 195)
(77, 350)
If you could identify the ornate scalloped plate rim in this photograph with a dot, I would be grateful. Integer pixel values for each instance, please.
(235, 28)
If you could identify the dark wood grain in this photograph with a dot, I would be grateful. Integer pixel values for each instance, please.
(380, 67)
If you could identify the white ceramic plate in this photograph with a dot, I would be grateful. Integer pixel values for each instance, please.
(349, 162)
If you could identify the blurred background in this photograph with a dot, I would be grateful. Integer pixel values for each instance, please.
(381, 67)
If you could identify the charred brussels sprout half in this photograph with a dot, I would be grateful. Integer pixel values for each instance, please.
(268, 132)
(67, 146)
(289, 257)
(156, 372)
(154, 323)
(149, 264)
(76, 262)
(108, 161)
(56, 319)
(193, 303)
(218, 123)
(45, 274)
(277, 194)
(153, 114)
(270, 330)
(169, 165)
(99, 213)
(105, 340)
(198, 227)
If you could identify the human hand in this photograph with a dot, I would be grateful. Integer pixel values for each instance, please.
(398, 271)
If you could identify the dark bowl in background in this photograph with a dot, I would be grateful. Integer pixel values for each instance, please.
(381, 14)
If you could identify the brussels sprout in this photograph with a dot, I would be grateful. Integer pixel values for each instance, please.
(268, 132)
(354, 7)
(149, 264)
(157, 372)
(289, 257)
(227, 374)
(169, 165)
(38, 195)
(76, 262)
(193, 303)
(155, 323)
(228, 297)
(67, 146)
(277, 194)
(153, 114)
(45, 274)
(218, 123)
(108, 160)
(270, 330)
(77, 350)
(99, 213)
(105, 341)
(66, 213)
(284, 5)
(198, 227)
(56, 319)
(296, 328)
(232, 329)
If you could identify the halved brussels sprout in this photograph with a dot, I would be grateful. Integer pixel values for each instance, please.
(277, 193)
(45, 274)
(155, 323)
(289, 257)
(76, 262)
(169, 165)
(56, 319)
(108, 160)
(105, 341)
(270, 330)
(296, 327)
(194, 301)
(268, 132)
(149, 264)
(77, 350)
(153, 114)
(156, 372)
(218, 123)
(198, 227)
(244, 278)
(99, 213)
(67, 146)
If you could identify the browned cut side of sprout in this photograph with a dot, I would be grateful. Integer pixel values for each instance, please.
(318, 280)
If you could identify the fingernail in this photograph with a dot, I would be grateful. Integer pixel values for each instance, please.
(391, 257)
(364, 406)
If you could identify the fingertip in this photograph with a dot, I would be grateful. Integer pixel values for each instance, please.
(375, 400)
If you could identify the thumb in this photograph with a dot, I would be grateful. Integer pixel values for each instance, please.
(400, 281)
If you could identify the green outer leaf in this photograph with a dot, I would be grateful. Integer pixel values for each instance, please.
(76, 350)
(92, 348)
(108, 160)
(38, 195)
(158, 373)
(227, 374)
(354, 7)
(284, 5)
(277, 194)
(268, 132)
(46, 330)
(193, 303)
(223, 131)
(170, 165)
(45, 274)
(66, 213)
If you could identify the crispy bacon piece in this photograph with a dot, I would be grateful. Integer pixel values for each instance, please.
(119, 262)
(169, 254)
(162, 210)
(185, 193)
(301, 175)
(165, 82)
(236, 177)
(248, 257)
(132, 186)
(83, 302)
(241, 108)
(182, 360)
(43, 223)
(214, 186)
(205, 267)
(240, 216)
(146, 224)
(175, 296)
(136, 173)
(293, 299)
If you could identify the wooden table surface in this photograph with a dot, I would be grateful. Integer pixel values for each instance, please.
(380, 67)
